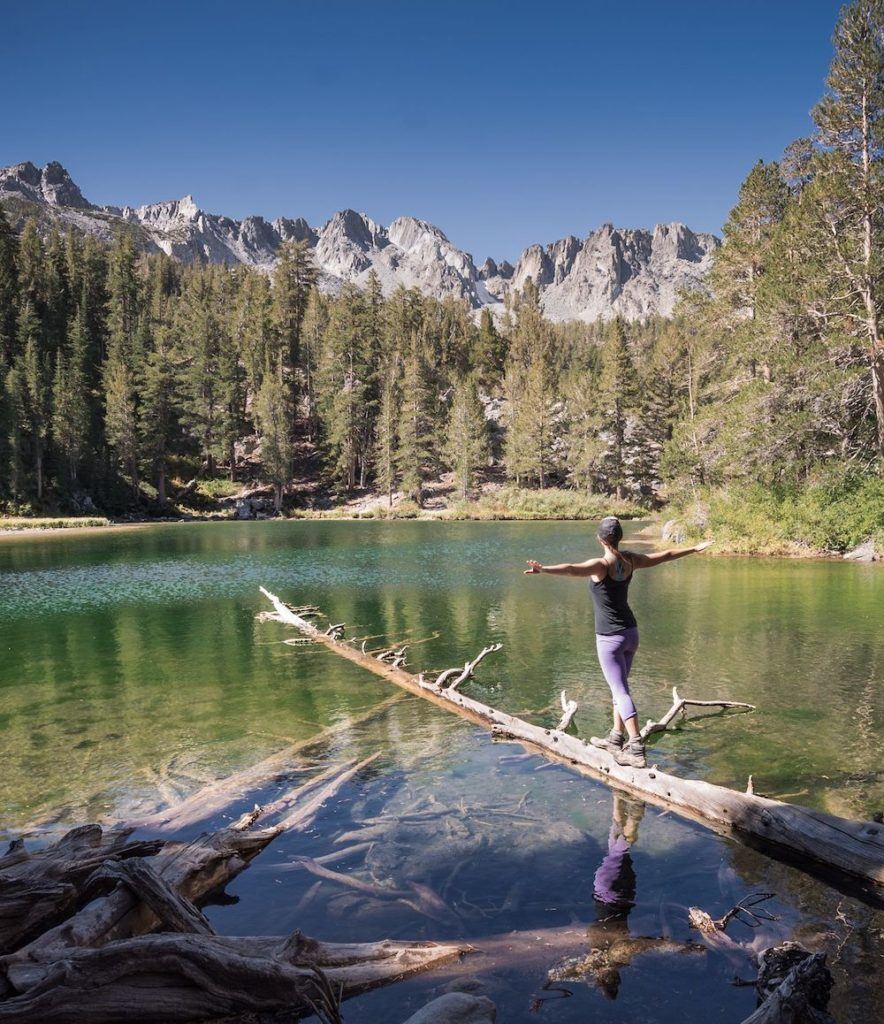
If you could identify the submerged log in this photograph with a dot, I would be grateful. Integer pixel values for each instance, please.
(38, 889)
(855, 848)
(217, 796)
(169, 978)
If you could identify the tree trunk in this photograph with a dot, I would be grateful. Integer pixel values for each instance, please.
(161, 484)
(878, 391)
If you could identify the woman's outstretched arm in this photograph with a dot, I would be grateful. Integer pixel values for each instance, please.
(642, 561)
(566, 568)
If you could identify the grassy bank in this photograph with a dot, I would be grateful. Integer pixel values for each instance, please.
(16, 523)
(822, 518)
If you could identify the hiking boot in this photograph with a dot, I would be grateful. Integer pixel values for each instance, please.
(632, 755)
(612, 742)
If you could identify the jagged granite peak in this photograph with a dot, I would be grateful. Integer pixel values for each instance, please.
(52, 185)
(611, 272)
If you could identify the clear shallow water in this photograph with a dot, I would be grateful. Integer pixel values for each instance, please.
(132, 664)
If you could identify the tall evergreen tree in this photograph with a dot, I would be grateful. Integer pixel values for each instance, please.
(850, 185)
(467, 440)
(273, 417)
(70, 401)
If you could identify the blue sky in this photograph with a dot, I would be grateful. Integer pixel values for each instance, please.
(503, 122)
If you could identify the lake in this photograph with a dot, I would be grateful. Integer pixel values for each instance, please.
(134, 666)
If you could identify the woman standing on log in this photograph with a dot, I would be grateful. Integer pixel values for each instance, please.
(616, 631)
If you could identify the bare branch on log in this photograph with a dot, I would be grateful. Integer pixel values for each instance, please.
(679, 704)
(569, 710)
(460, 675)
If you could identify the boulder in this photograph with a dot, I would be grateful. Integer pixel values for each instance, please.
(674, 531)
(456, 1008)
(864, 553)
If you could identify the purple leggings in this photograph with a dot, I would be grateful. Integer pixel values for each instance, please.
(615, 656)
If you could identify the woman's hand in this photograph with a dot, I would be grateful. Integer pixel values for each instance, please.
(533, 567)
(703, 545)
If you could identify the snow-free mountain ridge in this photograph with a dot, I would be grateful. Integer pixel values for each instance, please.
(632, 273)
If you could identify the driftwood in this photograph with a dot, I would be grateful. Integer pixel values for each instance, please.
(169, 978)
(854, 848)
(793, 984)
(39, 889)
(102, 966)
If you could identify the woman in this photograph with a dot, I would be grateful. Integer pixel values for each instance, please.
(616, 631)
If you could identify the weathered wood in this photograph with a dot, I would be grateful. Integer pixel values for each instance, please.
(164, 979)
(794, 985)
(175, 912)
(39, 889)
(855, 848)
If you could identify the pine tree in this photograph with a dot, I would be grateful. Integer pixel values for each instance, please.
(343, 384)
(467, 440)
(8, 289)
(159, 407)
(618, 403)
(199, 332)
(414, 452)
(35, 393)
(273, 418)
(294, 277)
(121, 416)
(312, 333)
(529, 389)
(387, 440)
(70, 405)
(849, 185)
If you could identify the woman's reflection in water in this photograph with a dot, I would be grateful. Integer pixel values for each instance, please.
(614, 884)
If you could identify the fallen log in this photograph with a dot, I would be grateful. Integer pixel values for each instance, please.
(169, 978)
(853, 848)
(40, 888)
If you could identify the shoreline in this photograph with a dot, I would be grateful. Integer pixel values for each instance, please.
(651, 533)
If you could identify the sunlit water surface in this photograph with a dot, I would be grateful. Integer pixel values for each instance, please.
(133, 668)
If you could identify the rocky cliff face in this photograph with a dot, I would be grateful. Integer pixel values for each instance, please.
(611, 272)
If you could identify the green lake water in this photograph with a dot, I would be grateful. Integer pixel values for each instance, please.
(133, 665)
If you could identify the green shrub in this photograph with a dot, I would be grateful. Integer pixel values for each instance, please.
(834, 513)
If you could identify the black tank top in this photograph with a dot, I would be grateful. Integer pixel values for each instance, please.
(611, 605)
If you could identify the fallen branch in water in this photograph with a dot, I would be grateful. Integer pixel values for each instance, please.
(569, 710)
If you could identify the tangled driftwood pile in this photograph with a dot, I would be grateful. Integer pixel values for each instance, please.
(100, 927)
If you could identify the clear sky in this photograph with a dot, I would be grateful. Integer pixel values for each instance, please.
(503, 122)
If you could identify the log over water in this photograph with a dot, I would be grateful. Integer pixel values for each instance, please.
(852, 848)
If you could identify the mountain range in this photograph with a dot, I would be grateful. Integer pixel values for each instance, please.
(633, 273)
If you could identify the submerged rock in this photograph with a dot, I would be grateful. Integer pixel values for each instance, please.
(456, 1008)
